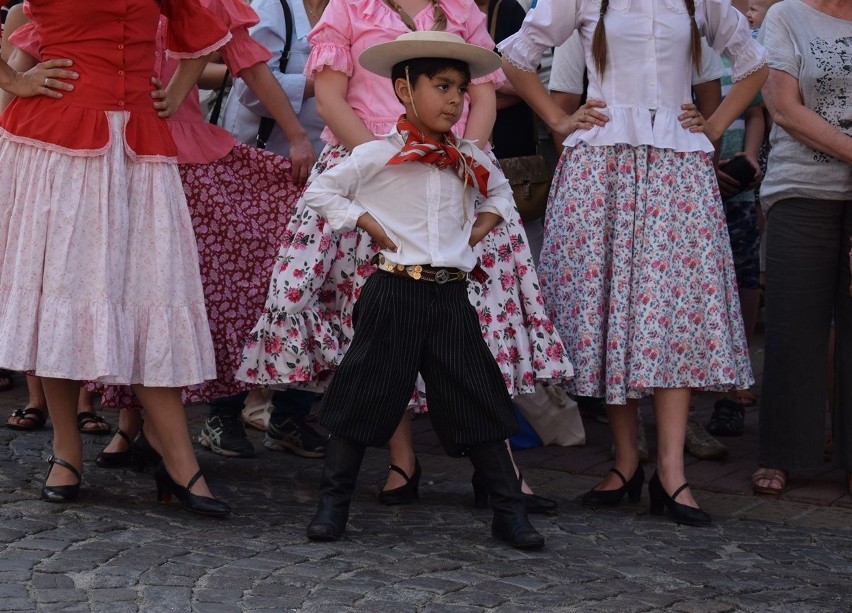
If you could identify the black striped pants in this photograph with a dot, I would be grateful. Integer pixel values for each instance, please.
(403, 327)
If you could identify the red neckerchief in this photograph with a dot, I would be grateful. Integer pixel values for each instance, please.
(418, 148)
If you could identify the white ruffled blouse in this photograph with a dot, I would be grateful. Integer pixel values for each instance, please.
(649, 65)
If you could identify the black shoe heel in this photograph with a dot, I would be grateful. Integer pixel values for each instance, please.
(61, 493)
(117, 459)
(594, 499)
(403, 494)
(681, 513)
(202, 505)
(143, 453)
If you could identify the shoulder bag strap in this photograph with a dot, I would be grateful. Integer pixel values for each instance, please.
(267, 123)
(220, 96)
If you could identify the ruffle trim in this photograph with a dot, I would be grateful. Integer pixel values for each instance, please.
(517, 47)
(203, 142)
(307, 338)
(243, 52)
(328, 55)
(191, 55)
(635, 126)
(40, 144)
(749, 72)
(112, 343)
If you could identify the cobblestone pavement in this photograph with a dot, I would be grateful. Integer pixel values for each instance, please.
(117, 550)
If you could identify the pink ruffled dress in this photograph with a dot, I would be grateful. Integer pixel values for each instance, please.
(99, 275)
(307, 323)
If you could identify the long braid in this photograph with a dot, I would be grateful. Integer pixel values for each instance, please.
(696, 36)
(440, 16)
(599, 41)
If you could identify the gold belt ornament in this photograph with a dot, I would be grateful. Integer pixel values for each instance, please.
(422, 272)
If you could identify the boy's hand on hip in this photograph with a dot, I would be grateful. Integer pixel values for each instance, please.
(368, 223)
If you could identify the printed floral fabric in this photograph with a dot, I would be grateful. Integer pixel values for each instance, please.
(637, 273)
(306, 326)
(240, 206)
(99, 277)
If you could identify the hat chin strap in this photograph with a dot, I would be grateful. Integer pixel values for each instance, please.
(410, 91)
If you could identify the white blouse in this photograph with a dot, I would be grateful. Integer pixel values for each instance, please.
(419, 205)
(649, 65)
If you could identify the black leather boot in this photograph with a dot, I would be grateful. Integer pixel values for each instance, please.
(342, 464)
(495, 469)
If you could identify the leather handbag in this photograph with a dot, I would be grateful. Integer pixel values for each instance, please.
(553, 415)
(530, 178)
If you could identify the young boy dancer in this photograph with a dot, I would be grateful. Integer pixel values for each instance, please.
(426, 198)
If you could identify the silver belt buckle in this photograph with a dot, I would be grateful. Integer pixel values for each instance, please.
(442, 276)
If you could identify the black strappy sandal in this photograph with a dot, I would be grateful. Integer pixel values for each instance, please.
(34, 419)
(86, 418)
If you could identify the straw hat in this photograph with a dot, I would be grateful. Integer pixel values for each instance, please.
(381, 58)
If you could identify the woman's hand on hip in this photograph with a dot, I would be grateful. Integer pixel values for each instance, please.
(45, 79)
(587, 116)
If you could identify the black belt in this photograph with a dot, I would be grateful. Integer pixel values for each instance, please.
(421, 272)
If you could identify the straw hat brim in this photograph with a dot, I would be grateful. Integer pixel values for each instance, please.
(381, 58)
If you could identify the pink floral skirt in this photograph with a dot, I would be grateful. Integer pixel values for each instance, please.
(306, 326)
(99, 278)
(240, 206)
(637, 273)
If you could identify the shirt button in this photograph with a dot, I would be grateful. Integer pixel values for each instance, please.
(652, 82)
(650, 37)
(121, 46)
(652, 59)
(121, 73)
(121, 103)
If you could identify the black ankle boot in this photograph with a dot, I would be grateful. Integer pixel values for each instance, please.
(495, 469)
(342, 465)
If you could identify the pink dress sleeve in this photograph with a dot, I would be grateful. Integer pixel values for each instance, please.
(469, 22)
(331, 40)
(26, 39)
(241, 51)
(193, 31)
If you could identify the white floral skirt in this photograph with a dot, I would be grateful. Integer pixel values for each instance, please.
(637, 273)
(99, 276)
(307, 323)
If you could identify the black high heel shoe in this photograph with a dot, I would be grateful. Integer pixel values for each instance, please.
(403, 494)
(594, 499)
(532, 502)
(116, 459)
(143, 454)
(61, 493)
(202, 505)
(681, 513)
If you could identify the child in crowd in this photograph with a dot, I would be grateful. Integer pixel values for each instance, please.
(756, 11)
(413, 315)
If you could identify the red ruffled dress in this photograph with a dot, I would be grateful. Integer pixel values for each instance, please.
(99, 276)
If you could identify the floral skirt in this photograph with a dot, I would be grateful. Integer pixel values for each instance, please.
(306, 326)
(637, 273)
(99, 278)
(240, 206)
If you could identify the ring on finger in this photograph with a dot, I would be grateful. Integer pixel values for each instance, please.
(45, 81)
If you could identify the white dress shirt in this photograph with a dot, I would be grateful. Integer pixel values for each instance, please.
(649, 67)
(419, 206)
(243, 110)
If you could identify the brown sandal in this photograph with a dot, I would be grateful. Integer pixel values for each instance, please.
(769, 477)
(86, 418)
(33, 419)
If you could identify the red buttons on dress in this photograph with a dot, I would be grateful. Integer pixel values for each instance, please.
(121, 103)
(121, 73)
(121, 46)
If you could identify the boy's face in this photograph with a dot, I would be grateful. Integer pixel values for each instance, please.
(757, 11)
(435, 104)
